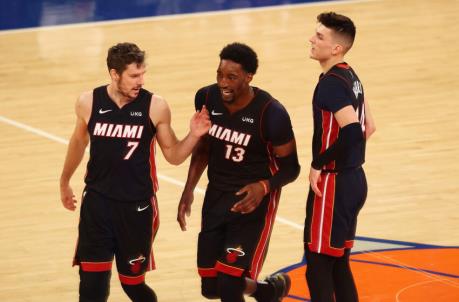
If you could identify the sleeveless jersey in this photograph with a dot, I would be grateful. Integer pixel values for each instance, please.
(238, 154)
(337, 88)
(122, 163)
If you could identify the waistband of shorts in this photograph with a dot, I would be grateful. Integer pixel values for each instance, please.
(109, 198)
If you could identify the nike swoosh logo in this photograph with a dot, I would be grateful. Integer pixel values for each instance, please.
(139, 209)
(104, 111)
(216, 113)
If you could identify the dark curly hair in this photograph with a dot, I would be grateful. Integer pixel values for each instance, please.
(241, 54)
(340, 24)
(123, 54)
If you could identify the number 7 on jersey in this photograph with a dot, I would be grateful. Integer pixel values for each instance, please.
(133, 146)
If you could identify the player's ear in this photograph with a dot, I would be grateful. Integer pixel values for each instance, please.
(249, 77)
(337, 48)
(114, 74)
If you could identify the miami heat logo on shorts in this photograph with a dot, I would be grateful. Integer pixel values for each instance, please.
(136, 264)
(233, 253)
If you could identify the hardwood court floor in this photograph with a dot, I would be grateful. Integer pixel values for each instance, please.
(405, 54)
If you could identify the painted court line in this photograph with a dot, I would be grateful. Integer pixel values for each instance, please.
(166, 178)
(397, 296)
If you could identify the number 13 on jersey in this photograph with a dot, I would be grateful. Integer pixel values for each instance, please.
(235, 154)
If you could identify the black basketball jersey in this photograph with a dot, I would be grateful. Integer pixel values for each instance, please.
(240, 151)
(122, 162)
(337, 88)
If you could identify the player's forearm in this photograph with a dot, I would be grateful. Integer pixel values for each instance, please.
(198, 163)
(178, 153)
(196, 169)
(289, 169)
(75, 153)
(370, 126)
(349, 136)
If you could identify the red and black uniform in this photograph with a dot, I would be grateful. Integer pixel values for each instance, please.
(331, 219)
(240, 153)
(119, 213)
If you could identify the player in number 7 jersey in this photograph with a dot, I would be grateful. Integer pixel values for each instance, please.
(122, 121)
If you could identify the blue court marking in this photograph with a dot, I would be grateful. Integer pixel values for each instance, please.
(16, 14)
(408, 246)
(298, 298)
(397, 244)
(413, 244)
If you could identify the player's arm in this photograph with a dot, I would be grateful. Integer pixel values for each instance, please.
(350, 134)
(198, 163)
(370, 126)
(333, 96)
(278, 130)
(176, 151)
(76, 148)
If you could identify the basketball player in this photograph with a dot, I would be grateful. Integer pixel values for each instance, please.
(119, 212)
(338, 185)
(250, 153)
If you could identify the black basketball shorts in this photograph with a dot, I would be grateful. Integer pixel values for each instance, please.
(331, 220)
(233, 243)
(124, 230)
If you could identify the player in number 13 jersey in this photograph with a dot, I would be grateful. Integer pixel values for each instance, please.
(250, 153)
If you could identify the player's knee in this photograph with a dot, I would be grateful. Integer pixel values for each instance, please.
(209, 288)
(94, 286)
(231, 288)
(139, 292)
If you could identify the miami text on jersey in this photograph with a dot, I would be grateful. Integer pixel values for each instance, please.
(118, 130)
(229, 135)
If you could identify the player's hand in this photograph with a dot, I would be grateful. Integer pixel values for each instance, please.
(184, 208)
(68, 198)
(254, 194)
(314, 179)
(200, 122)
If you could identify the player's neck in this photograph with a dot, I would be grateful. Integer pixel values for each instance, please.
(241, 101)
(328, 64)
(117, 97)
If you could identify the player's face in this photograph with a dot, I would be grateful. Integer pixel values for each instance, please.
(131, 80)
(232, 80)
(322, 44)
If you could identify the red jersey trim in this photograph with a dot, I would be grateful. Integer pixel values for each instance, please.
(330, 131)
(153, 175)
(96, 266)
(228, 269)
(128, 280)
(261, 119)
(322, 218)
(155, 226)
(262, 246)
(349, 244)
(207, 272)
(343, 65)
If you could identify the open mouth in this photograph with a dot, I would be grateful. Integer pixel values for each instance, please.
(226, 92)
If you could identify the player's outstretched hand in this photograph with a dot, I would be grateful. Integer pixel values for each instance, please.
(314, 179)
(184, 208)
(200, 122)
(254, 194)
(68, 198)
